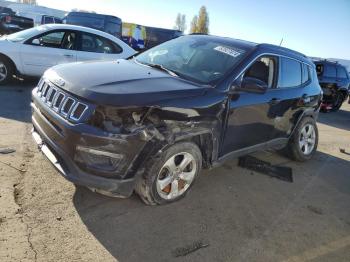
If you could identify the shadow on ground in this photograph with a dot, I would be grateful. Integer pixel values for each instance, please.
(340, 119)
(15, 100)
(231, 209)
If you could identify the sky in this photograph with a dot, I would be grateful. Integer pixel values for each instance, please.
(319, 28)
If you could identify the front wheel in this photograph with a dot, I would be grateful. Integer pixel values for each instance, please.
(170, 176)
(303, 144)
(6, 71)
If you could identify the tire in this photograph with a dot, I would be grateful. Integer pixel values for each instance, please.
(163, 175)
(299, 146)
(338, 101)
(7, 70)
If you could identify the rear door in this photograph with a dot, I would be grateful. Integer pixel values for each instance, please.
(95, 47)
(329, 75)
(48, 49)
(292, 96)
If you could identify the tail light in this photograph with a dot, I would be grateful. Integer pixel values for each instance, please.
(8, 19)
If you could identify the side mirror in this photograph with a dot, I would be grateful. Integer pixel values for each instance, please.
(36, 41)
(252, 85)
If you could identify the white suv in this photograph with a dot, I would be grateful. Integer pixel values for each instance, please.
(32, 51)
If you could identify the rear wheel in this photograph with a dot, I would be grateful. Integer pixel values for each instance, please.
(6, 71)
(169, 177)
(337, 101)
(303, 144)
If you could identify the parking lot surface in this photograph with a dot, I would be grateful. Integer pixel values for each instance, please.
(232, 213)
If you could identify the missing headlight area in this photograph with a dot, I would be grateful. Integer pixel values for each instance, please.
(118, 121)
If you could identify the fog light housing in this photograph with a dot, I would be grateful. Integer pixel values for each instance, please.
(97, 159)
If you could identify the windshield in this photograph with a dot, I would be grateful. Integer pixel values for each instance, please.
(25, 34)
(194, 58)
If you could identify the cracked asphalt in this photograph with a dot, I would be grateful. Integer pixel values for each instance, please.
(231, 214)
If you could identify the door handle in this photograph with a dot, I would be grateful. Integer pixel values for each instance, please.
(68, 55)
(274, 101)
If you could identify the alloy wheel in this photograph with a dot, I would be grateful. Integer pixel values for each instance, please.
(176, 175)
(307, 139)
(3, 72)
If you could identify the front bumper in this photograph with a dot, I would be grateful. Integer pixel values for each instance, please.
(58, 140)
(115, 187)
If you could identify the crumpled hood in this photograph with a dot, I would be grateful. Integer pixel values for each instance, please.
(120, 83)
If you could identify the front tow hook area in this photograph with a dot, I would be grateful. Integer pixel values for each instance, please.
(47, 152)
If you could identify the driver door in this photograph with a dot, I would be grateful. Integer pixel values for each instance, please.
(250, 121)
(47, 50)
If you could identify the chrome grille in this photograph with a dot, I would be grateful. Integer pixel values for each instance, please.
(63, 104)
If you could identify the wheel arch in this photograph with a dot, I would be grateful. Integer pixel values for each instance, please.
(207, 143)
(10, 61)
(306, 113)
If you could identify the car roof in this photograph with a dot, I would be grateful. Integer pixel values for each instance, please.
(324, 61)
(262, 48)
(225, 40)
(91, 15)
(76, 27)
(284, 51)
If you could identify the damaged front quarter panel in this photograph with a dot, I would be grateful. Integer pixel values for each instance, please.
(166, 123)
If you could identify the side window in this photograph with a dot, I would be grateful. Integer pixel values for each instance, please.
(59, 39)
(306, 74)
(48, 20)
(341, 73)
(330, 71)
(53, 39)
(264, 69)
(98, 44)
(290, 73)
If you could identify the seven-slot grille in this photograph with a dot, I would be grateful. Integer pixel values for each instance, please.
(65, 105)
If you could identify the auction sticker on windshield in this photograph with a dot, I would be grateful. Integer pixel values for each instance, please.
(229, 51)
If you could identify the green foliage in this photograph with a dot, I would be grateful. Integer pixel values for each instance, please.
(200, 23)
(193, 26)
(180, 22)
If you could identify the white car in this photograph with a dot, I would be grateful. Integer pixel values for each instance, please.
(32, 51)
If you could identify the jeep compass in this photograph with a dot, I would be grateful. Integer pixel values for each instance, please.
(149, 124)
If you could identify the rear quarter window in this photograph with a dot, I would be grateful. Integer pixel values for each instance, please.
(341, 73)
(306, 74)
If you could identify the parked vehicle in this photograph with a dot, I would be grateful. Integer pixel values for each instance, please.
(134, 35)
(31, 52)
(41, 19)
(47, 19)
(142, 37)
(156, 36)
(106, 23)
(10, 22)
(152, 122)
(335, 81)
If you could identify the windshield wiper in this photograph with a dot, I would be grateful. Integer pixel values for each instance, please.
(172, 73)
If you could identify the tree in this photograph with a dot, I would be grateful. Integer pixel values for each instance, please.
(193, 26)
(29, 2)
(180, 22)
(203, 21)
